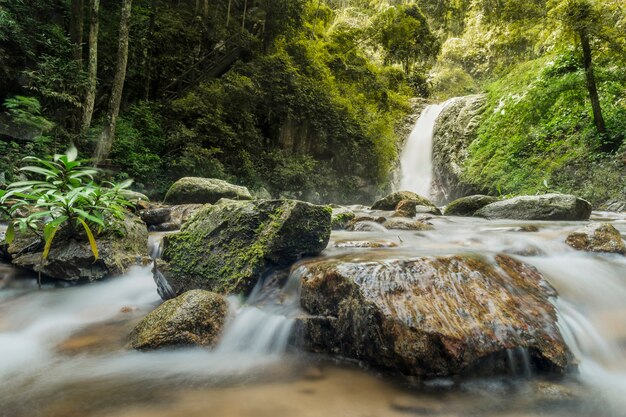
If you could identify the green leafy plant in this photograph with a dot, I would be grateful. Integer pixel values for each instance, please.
(65, 196)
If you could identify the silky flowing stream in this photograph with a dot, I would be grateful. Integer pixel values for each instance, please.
(63, 350)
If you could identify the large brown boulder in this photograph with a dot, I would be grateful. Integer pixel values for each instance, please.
(467, 206)
(597, 237)
(431, 316)
(228, 246)
(193, 318)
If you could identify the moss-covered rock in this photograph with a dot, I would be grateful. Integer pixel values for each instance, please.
(597, 237)
(467, 206)
(194, 318)
(391, 201)
(226, 247)
(341, 218)
(123, 244)
(538, 207)
(432, 316)
(195, 190)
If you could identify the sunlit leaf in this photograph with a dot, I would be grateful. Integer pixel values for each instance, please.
(92, 240)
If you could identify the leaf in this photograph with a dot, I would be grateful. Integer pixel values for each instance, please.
(9, 236)
(92, 240)
(50, 237)
(39, 170)
(88, 216)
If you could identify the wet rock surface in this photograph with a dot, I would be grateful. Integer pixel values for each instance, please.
(432, 316)
(538, 207)
(227, 247)
(411, 208)
(194, 318)
(123, 245)
(401, 223)
(597, 237)
(195, 190)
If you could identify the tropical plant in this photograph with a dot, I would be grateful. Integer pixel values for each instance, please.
(66, 197)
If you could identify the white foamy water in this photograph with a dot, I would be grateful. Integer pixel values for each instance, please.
(416, 162)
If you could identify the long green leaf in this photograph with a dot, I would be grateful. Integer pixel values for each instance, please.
(88, 216)
(9, 236)
(49, 239)
(39, 170)
(92, 240)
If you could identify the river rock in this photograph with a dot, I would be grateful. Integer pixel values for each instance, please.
(195, 190)
(391, 201)
(193, 318)
(411, 208)
(341, 218)
(538, 207)
(155, 216)
(597, 237)
(467, 206)
(122, 245)
(456, 128)
(401, 223)
(227, 247)
(431, 316)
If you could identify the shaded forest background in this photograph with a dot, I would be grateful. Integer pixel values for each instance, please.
(310, 94)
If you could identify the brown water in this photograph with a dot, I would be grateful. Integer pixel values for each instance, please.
(62, 350)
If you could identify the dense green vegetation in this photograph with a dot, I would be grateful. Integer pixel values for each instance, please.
(309, 102)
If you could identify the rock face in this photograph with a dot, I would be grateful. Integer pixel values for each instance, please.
(392, 200)
(123, 245)
(467, 206)
(193, 318)
(455, 130)
(431, 316)
(193, 190)
(538, 207)
(226, 247)
(597, 237)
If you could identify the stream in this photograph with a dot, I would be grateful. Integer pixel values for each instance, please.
(63, 350)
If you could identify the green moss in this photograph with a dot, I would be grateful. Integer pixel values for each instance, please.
(227, 247)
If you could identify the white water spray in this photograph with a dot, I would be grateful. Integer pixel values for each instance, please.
(416, 161)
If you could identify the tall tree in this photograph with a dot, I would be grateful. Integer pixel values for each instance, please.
(580, 17)
(76, 28)
(92, 65)
(108, 134)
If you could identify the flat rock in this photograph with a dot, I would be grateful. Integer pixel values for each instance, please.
(538, 207)
(401, 223)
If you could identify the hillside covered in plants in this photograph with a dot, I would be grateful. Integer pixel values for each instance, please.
(308, 98)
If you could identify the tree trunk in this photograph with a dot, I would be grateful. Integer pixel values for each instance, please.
(106, 138)
(591, 83)
(76, 29)
(92, 65)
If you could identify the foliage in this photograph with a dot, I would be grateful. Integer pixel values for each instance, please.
(26, 111)
(64, 198)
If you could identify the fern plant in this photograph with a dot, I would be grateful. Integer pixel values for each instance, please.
(64, 196)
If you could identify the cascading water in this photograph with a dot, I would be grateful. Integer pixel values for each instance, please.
(38, 375)
(416, 163)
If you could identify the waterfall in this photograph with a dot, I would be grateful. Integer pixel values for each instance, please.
(416, 161)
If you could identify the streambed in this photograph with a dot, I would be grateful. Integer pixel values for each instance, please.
(62, 350)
